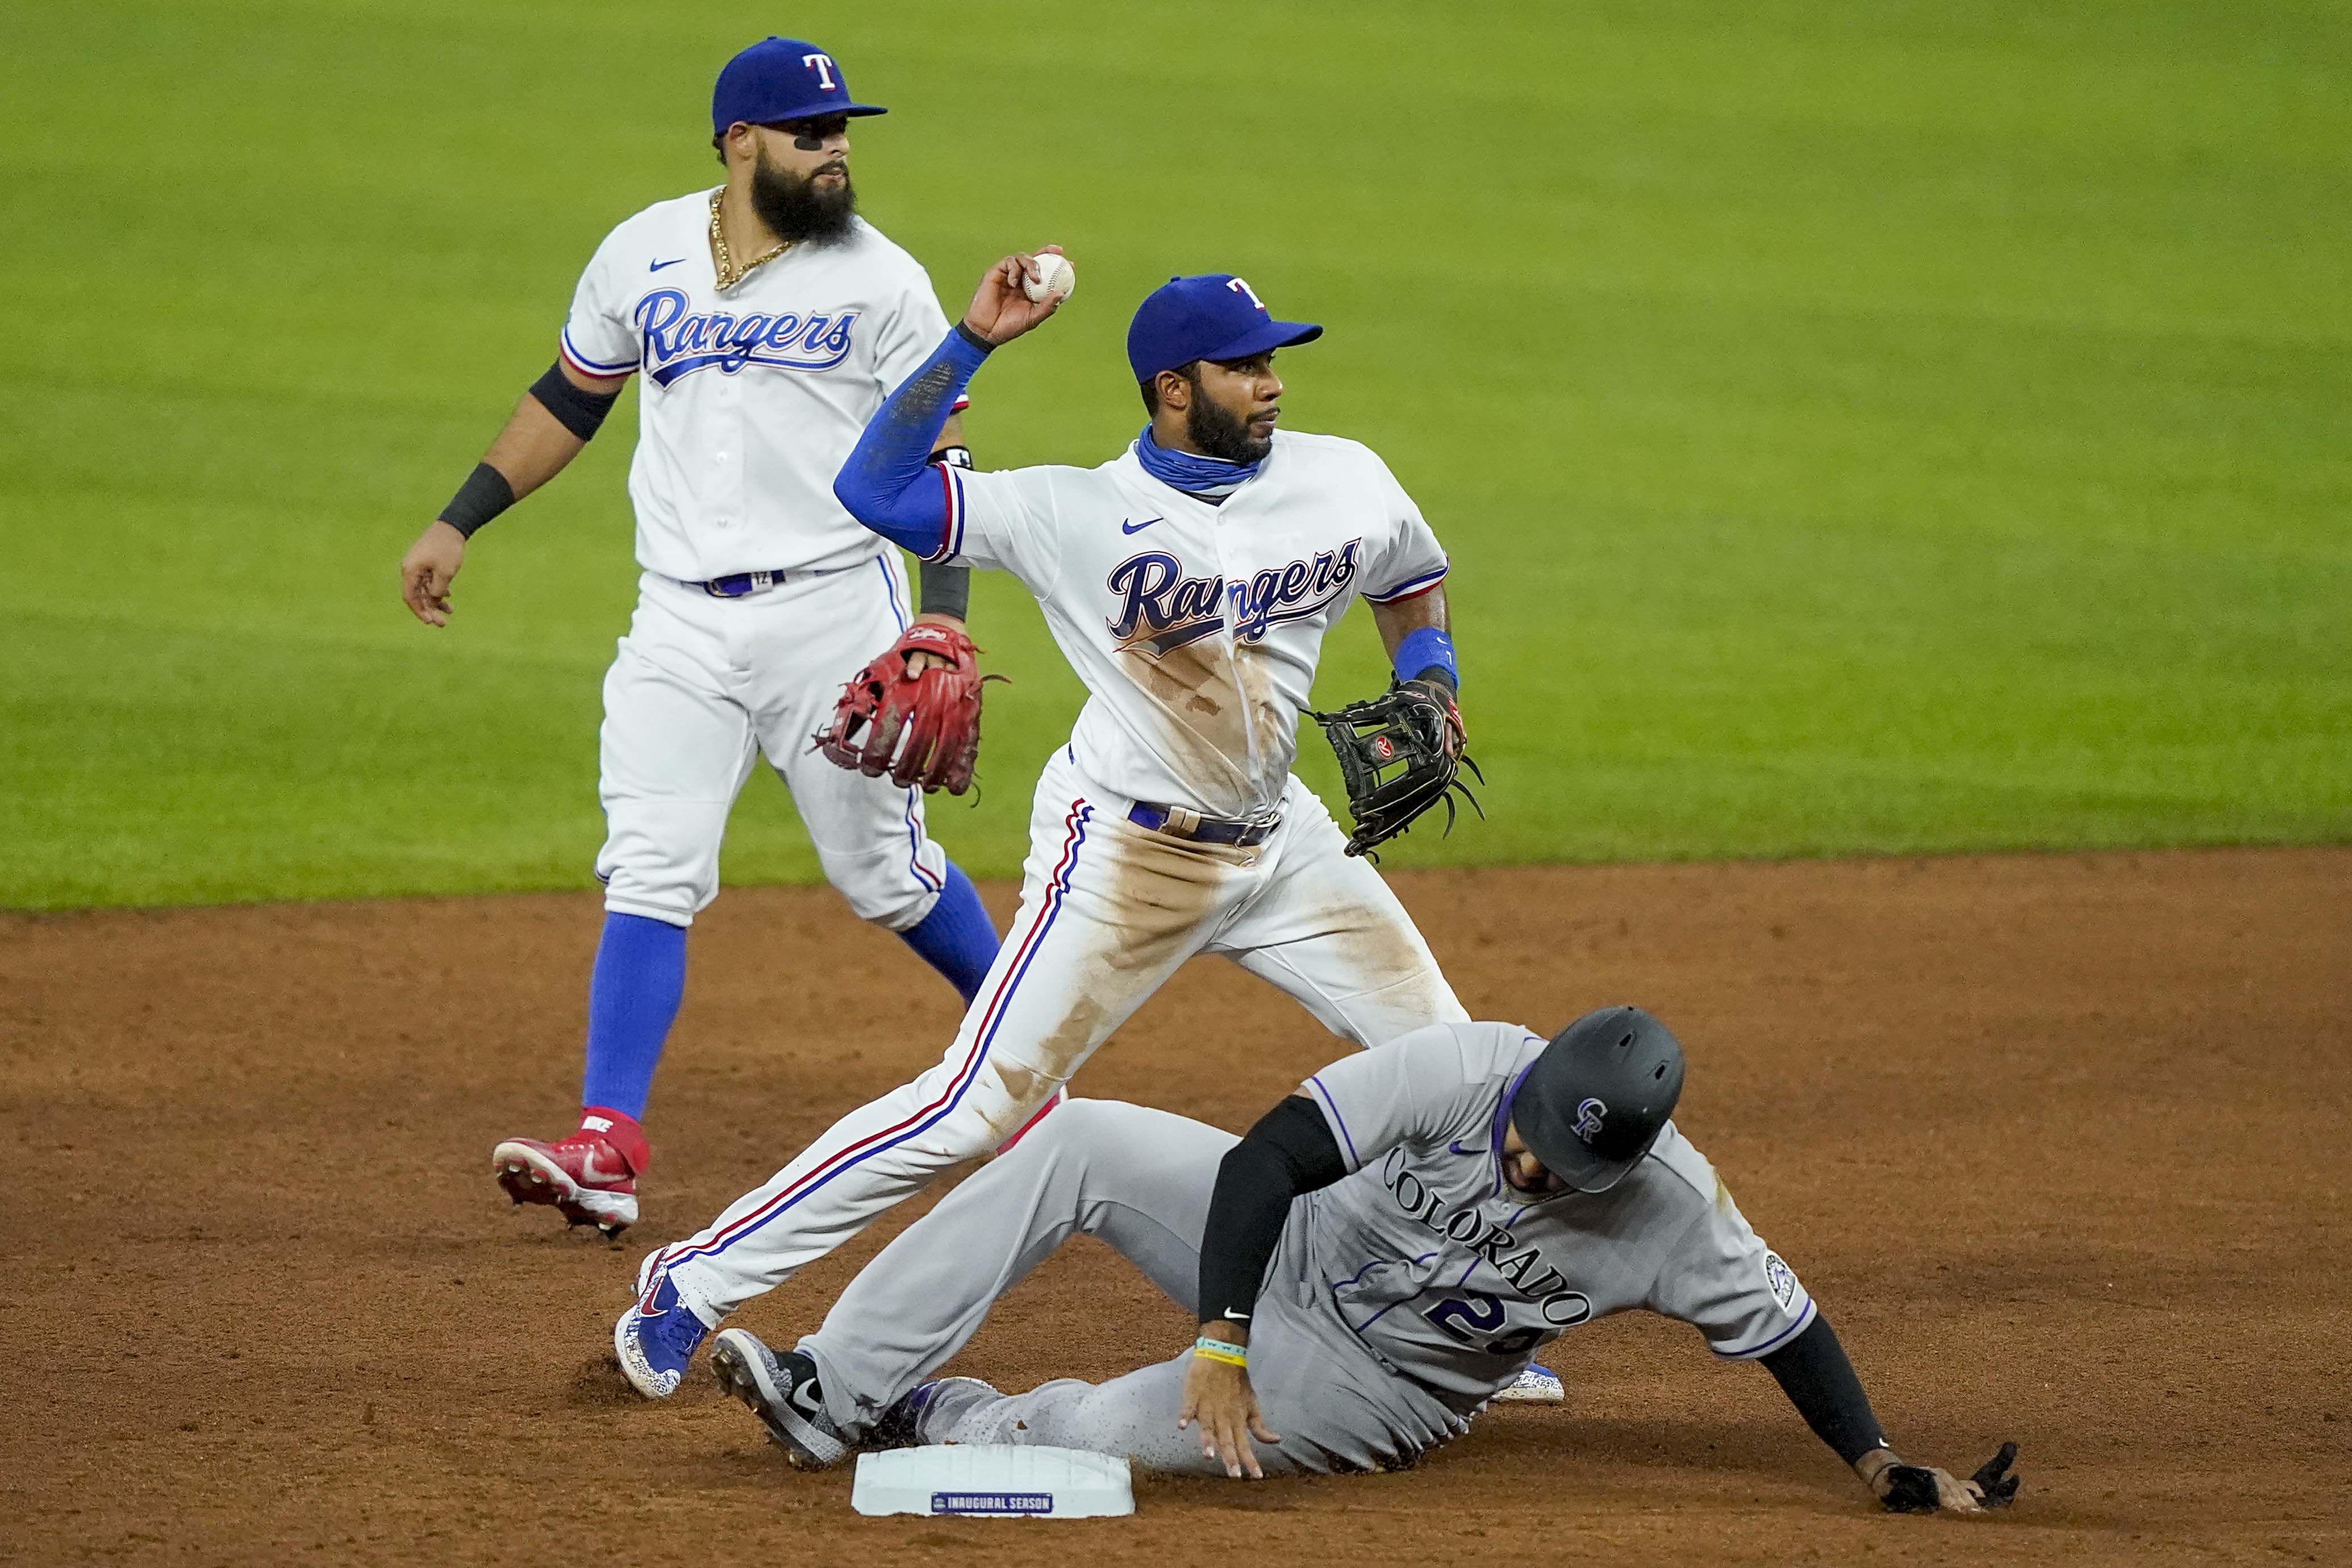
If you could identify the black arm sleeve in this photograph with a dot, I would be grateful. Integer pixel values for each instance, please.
(947, 590)
(1819, 1380)
(1289, 1152)
(484, 495)
(581, 413)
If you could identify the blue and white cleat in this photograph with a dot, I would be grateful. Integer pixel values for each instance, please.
(1534, 1385)
(656, 1338)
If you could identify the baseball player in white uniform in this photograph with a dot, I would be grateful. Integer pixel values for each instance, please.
(1190, 582)
(1369, 1267)
(766, 321)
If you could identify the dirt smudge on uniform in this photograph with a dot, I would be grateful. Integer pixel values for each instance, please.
(1161, 896)
(1222, 729)
(1024, 1089)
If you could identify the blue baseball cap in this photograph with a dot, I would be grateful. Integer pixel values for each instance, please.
(1213, 316)
(781, 79)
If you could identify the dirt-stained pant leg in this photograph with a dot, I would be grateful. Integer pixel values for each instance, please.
(1138, 1178)
(1327, 929)
(1109, 912)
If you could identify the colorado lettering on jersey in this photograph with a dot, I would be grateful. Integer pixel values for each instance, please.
(1162, 609)
(680, 341)
(1474, 1232)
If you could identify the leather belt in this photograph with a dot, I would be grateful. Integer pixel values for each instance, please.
(1183, 824)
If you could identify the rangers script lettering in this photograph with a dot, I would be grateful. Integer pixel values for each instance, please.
(1165, 609)
(680, 341)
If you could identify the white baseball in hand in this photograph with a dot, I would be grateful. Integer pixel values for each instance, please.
(1054, 280)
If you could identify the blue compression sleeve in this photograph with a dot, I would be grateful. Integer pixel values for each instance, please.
(889, 483)
(957, 938)
(633, 998)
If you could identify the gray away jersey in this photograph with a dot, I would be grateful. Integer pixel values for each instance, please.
(1456, 1279)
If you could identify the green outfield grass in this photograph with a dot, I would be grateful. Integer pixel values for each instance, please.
(1896, 428)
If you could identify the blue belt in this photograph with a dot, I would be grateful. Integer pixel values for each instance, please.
(1202, 829)
(741, 585)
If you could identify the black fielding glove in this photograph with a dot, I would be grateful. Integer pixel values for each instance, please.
(2000, 1489)
(1910, 1489)
(1400, 755)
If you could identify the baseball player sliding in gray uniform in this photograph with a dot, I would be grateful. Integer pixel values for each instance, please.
(1378, 1259)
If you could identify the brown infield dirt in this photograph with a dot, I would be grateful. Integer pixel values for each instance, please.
(2056, 1140)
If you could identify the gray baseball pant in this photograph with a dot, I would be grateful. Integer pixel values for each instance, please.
(1140, 1180)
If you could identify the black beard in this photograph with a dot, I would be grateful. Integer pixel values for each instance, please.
(1221, 435)
(794, 209)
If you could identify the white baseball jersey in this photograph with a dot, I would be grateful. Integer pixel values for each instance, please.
(1195, 627)
(1451, 1274)
(750, 399)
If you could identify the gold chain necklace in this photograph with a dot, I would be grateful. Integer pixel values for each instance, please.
(728, 273)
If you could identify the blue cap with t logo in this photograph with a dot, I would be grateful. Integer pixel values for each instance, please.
(1212, 316)
(781, 79)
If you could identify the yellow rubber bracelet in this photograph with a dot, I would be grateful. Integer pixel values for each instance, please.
(1225, 1351)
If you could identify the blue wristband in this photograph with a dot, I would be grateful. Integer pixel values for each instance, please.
(1426, 647)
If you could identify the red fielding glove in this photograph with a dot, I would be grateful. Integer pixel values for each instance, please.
(918, 729)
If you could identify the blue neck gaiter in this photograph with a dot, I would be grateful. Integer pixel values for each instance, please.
(1211, 478)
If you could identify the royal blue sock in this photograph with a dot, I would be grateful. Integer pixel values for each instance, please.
(632, 1000)
(957, 938)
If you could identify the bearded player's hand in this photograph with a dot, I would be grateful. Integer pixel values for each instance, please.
(1001, 311)
(427, 571)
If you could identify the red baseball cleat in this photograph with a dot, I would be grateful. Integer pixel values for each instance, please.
(585, 1178)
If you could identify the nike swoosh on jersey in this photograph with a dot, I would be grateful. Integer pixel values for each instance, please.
(1126, 526)
(657, 266)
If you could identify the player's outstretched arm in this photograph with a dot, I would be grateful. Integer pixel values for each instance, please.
(547, 430)
(1815, 1372)
(889, 483)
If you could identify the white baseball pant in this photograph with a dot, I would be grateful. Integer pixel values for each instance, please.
(1109, 912)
